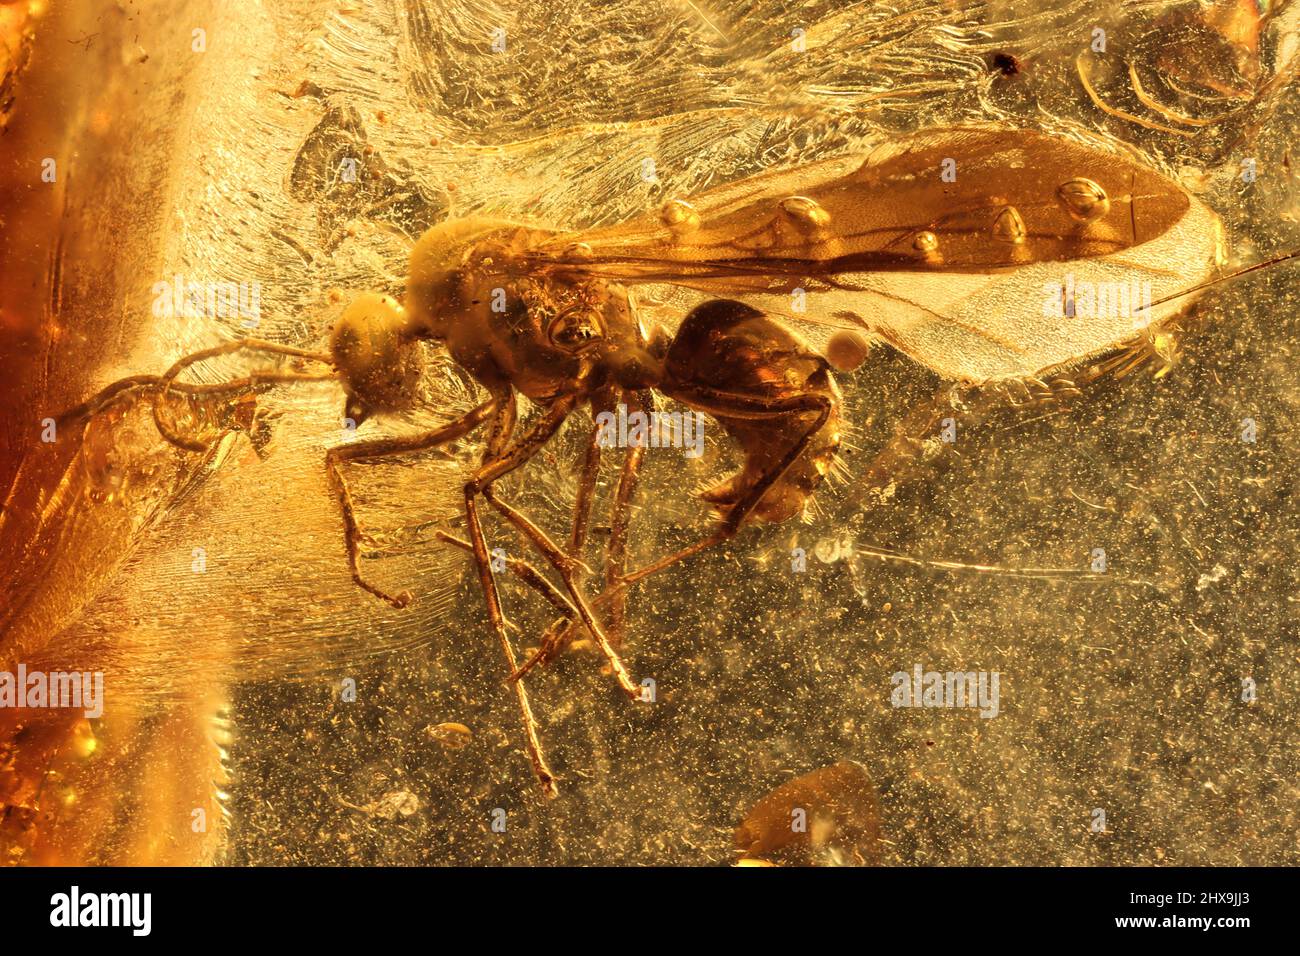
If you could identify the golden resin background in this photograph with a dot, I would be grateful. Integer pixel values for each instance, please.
(1120, 692)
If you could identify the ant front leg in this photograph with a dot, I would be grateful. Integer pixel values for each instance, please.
(365, 452)
(382, 448)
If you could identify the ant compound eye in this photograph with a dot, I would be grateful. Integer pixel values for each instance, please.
(575, 331)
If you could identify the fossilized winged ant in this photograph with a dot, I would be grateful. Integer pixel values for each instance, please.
(940, 245)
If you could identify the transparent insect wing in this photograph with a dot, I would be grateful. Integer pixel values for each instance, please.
(942, 245)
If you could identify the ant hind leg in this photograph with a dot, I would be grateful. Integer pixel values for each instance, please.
(733, 406)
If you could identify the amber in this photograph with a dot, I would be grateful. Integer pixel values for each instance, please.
(1016, 473)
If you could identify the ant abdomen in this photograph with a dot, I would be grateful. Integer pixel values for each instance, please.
(728, 356)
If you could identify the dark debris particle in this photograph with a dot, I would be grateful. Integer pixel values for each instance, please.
(1005, 63)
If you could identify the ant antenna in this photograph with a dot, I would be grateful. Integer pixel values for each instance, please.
(257, 378)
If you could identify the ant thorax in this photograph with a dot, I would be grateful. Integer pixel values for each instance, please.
(554, 332)
(477, 286)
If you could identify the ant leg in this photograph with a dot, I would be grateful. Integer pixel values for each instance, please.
(586, 482)
(565, 565)
(502, 409)
(502, 422)
(503, 428)
(526, 573)
(620, 517)
(381, 448)
(586, 491)
(732, 406)
(547, 651)
(561, 632)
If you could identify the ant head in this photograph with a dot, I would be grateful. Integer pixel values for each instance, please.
(379, 360)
